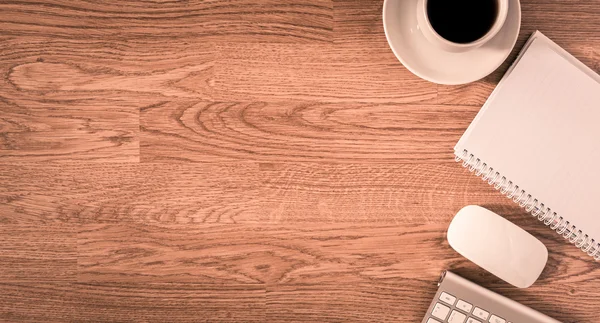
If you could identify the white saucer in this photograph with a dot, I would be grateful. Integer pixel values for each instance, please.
(429, 62)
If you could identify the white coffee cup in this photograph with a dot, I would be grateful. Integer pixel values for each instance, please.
(432, 36)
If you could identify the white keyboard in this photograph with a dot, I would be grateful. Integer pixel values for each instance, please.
(461, 301)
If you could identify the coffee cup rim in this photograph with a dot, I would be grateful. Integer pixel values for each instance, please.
(498, 23)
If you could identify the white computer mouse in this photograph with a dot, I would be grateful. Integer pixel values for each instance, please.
(497, 245)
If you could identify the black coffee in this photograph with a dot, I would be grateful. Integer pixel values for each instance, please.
(462, 21)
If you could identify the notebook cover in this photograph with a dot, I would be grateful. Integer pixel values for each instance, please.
(540, 129)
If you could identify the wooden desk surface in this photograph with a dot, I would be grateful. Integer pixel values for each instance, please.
(237, 161)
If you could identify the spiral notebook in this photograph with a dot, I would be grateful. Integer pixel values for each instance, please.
(537, 140)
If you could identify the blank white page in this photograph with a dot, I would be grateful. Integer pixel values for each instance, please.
(541, 130)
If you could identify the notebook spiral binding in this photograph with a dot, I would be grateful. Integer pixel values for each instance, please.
(530, 204)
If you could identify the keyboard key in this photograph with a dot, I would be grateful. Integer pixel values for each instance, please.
(470, 320)
(440, 311)
(430, 320)
(457, 317)
(464, 306)
(479, 313)
(447, 298)
(495, 319)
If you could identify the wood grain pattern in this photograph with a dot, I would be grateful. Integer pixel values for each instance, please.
(34, 252)
(65, 101)
(131, 302)
(242, 193)
(390, 264)
(244, 161)
(329, 73)
(52, 301)
(124, 192)
(39, 131)
(275, 253)
(307, 132)
(204, 20)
